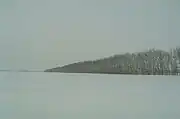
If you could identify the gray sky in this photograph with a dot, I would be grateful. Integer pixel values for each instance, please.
(38, 34)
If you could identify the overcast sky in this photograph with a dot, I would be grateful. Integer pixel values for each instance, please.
(38, 34)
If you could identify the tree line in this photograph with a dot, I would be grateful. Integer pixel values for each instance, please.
(150, 62)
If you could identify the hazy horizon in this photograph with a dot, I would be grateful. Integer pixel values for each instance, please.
(38, 34)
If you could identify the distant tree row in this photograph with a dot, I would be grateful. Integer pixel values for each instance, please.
(151, 62)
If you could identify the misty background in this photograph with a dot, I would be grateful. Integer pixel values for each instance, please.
(41, 34)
